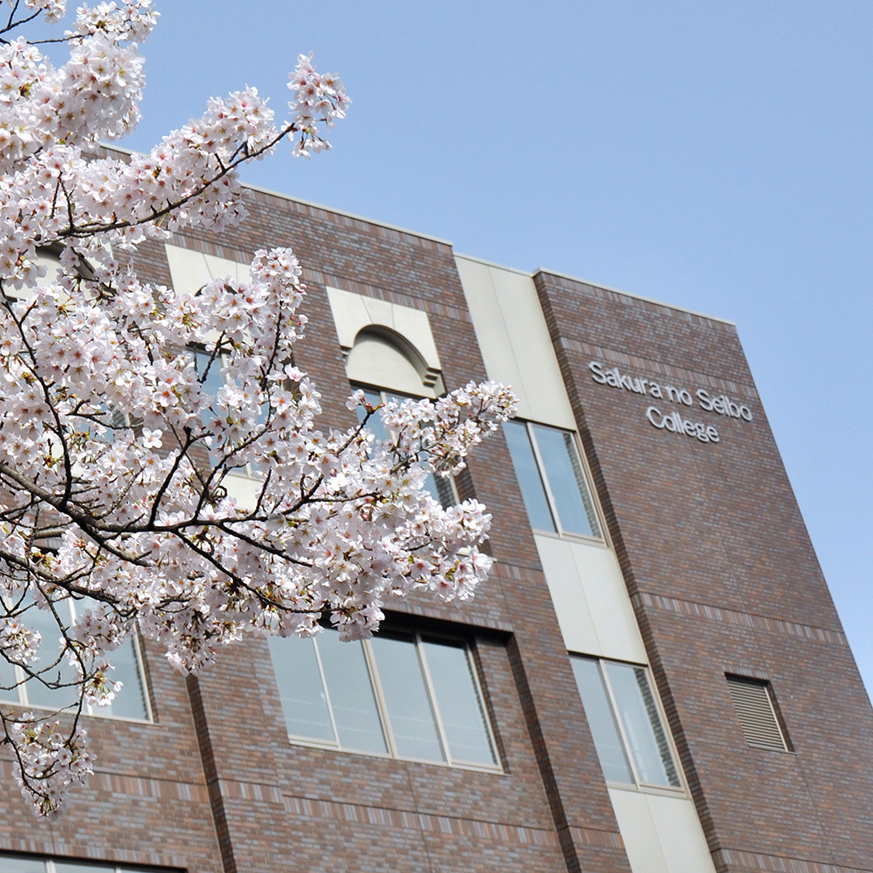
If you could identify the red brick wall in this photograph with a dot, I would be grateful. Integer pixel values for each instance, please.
(549, 810)
(722, 578)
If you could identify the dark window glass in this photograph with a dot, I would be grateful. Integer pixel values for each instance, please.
(440, 487)
(460, 707)
(406, 699)
(550, 475)
(301, 689)
(527, 471)
(625, 723)
(601, 721)
(565, 477)
(352, 699)
(642, 724)
(21, 865)
(396, 694)
(130, 702)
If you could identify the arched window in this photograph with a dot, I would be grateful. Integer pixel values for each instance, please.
(381, 356)
(390, 353)
(386, 366)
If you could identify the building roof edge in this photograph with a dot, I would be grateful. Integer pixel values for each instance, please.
(488, 263)
(260, 189)
(527, 273)
(352, 215)
(635, 296)
(448, 243)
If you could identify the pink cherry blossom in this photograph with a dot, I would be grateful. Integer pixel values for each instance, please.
(127, 407)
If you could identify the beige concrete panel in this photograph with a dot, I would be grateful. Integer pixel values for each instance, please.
(188, 269)
(415, 326)
(610, 608)
(379, 311)
(514, 340)
(192, 270)
(638, 832)
(568, 595)
(244, 488)
(490, 328)
(680, 834)
(349, 315)
(220, 268)
(353, 312)
(52, 266)
(544, 390)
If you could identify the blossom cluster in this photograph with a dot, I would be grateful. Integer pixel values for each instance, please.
(128, 409)
(52, 10)
(50, 760)
(318, 97)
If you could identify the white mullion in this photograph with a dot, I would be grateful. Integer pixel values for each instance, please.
(140, 664)
(431, 693)
(616, 712)
(326, 692)
(541, 469)
(381, 705)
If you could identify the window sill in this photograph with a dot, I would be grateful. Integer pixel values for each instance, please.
(571, 538)
(494, 769)
(660, 790)
(13, 706)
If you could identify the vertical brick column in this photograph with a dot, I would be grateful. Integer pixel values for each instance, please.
(723, 579)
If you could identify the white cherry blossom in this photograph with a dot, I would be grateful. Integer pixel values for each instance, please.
(126, 406)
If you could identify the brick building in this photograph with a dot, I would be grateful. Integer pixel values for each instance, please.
(654, 679)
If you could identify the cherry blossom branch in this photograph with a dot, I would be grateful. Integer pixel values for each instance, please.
(119, 451)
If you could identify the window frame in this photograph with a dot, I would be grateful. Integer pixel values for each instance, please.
(88, 709)
(385, 395)
(51, 863)
(627, 749)
(198, 353)
(596, 516)
(384, 714)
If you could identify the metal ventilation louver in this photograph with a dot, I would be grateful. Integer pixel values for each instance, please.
(756, 713)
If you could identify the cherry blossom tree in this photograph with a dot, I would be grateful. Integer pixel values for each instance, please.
(116, 446)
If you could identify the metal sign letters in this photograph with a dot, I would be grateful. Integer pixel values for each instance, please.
(674, 422)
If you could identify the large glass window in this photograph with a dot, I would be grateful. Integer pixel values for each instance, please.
(630, 738)
(131, 702)
(30, 864)
(552, 481)
(404, 695)
(211, 371)
(442, 489)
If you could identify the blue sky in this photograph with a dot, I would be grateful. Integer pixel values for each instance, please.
(712, 155)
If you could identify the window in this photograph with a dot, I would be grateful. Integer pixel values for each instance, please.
(401, 695)
(211, 372)
(442, 488)
(30, 864)
(552, 481)
(756, 710)
(130, 703)
(620, 706)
